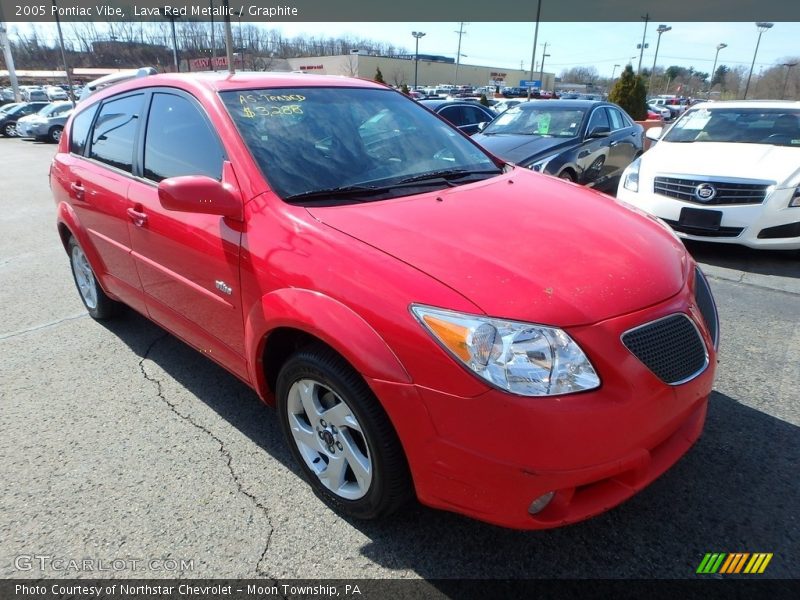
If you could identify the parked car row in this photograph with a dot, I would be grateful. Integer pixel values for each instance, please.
(39, 120)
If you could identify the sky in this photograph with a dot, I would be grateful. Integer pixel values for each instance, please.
(602, 45)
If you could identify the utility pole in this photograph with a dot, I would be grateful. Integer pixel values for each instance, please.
(213, 47)
(786, 81)
(646, 18)
(12, 72)
(71, 94)
(229, 39)
(535, 38)
(460, 32)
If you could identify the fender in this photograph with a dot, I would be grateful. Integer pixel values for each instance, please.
(327, 319)
(66, 216)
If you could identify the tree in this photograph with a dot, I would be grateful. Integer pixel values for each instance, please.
(404, 89)
(629, 92)
(379, 76)
(483, 100)
(719, 75)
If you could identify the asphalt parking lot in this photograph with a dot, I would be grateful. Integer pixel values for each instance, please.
(120, 442)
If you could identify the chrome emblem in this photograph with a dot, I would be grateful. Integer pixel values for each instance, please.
(705, 192)
(223, 287)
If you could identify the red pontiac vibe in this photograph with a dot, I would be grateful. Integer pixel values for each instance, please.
(426, 319)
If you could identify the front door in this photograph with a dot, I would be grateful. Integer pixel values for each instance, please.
(188, 262)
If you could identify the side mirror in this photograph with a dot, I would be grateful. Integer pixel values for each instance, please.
(599, 132)
(482, 125)
(200, 194)
(654, 133)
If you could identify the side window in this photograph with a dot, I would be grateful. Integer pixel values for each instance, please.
(618, 121)
(598, 119)
(455, 115)
(79, 130)
(179, 140)
(476, 115)
(115, 131)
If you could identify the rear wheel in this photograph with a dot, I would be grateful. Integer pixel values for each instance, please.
(55, 134)
(99, 305)
(340, 435)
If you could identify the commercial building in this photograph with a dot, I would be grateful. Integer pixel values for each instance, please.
(399, 70)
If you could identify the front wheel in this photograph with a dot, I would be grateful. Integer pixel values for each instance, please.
(10, 130)
(340, 435)
(99, 305)
(567, 176)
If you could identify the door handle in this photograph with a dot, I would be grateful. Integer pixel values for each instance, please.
(77, 190)
(138, 218)
(613, 143)
(583, 153)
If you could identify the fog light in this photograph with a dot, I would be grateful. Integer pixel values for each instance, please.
(540, 503)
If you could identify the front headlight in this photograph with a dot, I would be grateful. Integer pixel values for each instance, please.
(540, 165)
(631, 176)
(522, 358)
(795, 201)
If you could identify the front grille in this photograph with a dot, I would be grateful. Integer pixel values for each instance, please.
(721, 232)
(706, 304)
(670, 347)
(727, 192)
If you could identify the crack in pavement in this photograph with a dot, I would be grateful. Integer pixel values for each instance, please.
(222, 448)
(47, 325)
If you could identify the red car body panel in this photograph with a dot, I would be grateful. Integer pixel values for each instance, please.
(518, 246)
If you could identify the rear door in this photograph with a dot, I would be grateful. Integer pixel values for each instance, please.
(96, 175)
(188, 262)
(624, 144)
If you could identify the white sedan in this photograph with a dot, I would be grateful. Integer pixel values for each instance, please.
(724, 172)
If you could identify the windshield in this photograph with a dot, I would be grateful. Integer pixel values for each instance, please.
(540, 120)
(777, 126)
(316, 140)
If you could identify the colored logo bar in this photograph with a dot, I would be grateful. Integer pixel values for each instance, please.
(734, 563)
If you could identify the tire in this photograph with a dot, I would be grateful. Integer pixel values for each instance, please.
(10, 129)
(54, 135)
(99, 305)
(339, 434)
(567, 176)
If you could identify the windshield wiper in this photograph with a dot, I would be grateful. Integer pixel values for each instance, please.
(448, 175)
(348, 190)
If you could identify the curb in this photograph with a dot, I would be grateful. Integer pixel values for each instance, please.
(789, 285)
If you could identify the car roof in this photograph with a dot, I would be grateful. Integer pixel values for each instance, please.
(577, 103)
(202, 83)
(791, 105)
(434, 103)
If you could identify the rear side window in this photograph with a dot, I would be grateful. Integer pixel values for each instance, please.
(115, 132)
(179, 140)
(79, 130)
(618, 120)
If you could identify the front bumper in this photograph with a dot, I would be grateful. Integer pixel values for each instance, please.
(24, 129)
(489, 457)
(770, 225)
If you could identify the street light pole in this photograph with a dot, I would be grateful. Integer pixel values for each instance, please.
(762, 27)
(417, 35)
(460, 32)
(786, 81)
(535, 38)
(541, 73)
(661, 29)
(714, 69)
(614, 70)
(646, 18)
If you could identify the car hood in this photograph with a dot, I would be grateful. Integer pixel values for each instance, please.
(738, 161)
(521, 148)
(525, 246)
